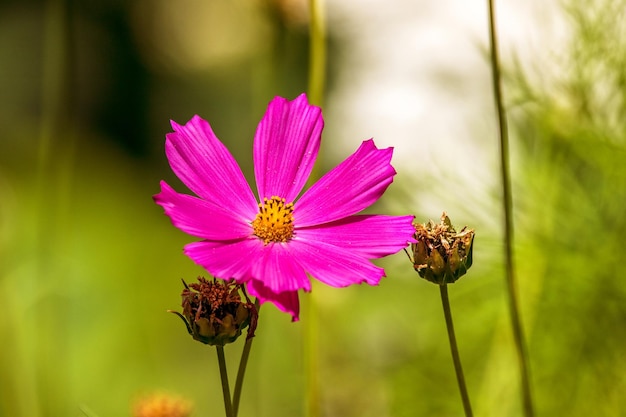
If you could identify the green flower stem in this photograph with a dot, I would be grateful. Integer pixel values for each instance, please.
(228, 407)
(243, 363)
(317, 52)
(317, 84)
(44, 372)
(455, 350)
(240, 374)
(311, 358)
(516, 320)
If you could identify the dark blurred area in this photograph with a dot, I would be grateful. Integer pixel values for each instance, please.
(123, 69)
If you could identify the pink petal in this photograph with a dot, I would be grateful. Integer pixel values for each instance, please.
(233, 259)
(196, 217)
(204, 165)
(261, 267)
(285, 301)
(251, 259)
(352, 186)
(286, 144)
(369, 236)
(279, 270)
(334, 265)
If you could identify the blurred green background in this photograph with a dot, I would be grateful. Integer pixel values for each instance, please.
(88, 264)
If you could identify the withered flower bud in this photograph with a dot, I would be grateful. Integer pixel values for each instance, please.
(214, 312)
(441, 255)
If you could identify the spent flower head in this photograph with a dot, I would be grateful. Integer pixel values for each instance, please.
(214, 312)
(442, 255)
(273, 243)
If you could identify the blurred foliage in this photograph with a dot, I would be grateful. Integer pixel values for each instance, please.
(570, 199)
(88, 264)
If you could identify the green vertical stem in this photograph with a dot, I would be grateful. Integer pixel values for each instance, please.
(317, 52)
(228, 407)
(456, 358)
(245, 354)
(317, 84)
(243, 363)
(45, 352)
(311, 358)
(516, 320)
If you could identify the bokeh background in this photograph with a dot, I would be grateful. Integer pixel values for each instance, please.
(88, 264)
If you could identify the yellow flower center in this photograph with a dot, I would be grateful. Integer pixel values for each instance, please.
(274, 223)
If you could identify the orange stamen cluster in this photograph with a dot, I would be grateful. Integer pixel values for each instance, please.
(274, 223)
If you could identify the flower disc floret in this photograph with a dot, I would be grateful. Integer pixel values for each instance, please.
(274, 223)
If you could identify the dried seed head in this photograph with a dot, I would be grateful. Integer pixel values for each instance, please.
(214, 312)
(442, 255)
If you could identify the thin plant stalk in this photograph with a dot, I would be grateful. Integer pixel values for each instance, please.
(456, 358)
(507, 199)
(228, 407)
(311, 358)
(316, 87)
(243, 363)
(43, 373)
(240, 375)
(317, 52)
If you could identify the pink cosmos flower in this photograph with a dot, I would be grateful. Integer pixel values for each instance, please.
(271, 244)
